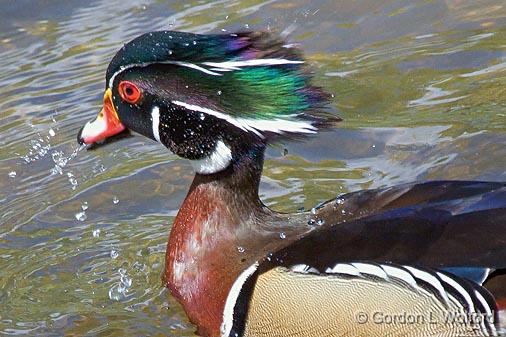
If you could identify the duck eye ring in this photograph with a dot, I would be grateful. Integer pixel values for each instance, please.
(129, 92)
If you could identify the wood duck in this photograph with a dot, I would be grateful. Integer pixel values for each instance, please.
(397, 261)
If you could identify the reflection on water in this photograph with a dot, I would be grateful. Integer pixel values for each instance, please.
(420, 85)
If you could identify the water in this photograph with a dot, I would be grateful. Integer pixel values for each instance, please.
(419, 84)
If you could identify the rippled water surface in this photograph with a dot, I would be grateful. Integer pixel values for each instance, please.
(421, 86)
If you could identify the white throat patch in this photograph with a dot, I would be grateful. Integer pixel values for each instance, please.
(216, 161)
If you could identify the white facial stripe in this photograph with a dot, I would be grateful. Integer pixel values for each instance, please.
(277, 125)
(228, 312)
(155, 121)
(216, 162)
(236, 65)
(141, 65)
(93, 128)
(218, 114)
(217, 66)
(196, 67)
(253, 125)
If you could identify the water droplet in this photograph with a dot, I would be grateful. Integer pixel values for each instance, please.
(194, 43)
(340, 201)
(81, 216)
(219, 92)
(117, 292)
(126, 281)
(226, 17)
(282, 235)
(52, 133)
(313, 210)
(84, 206)
(320, 222)
(114, 254)
(240, 249)
(96, 233)
(170, 52)
(202, 116)
(115, 200)
(72, 180)
(223, 30)
(343, 211)
(12, 174)
(246, 26)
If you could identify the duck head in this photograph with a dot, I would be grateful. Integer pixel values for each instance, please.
(208, 98)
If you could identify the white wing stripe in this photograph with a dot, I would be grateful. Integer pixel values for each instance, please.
(459, 289)
(490, 315)
(430, 279)
(343, 268)
(400, 274)
(371, 269)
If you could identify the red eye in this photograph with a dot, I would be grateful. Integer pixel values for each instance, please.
(129, 92)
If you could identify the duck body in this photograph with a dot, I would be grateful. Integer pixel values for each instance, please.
(219, 100)
(434, 225)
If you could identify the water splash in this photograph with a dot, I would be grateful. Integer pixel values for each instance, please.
(114, 254)
(38, 148)
(72, 180)
(118, 292)
(81, 216)
(96, 233)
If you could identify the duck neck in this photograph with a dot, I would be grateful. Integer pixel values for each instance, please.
(215, 237)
